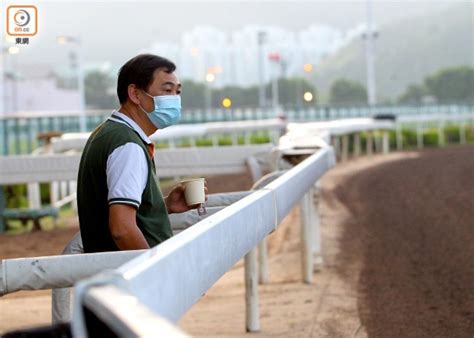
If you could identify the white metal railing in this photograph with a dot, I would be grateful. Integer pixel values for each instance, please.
(48, 272)
(188, 132)
(337, 132)
(419, 123)
(187, 265)
(183, 161)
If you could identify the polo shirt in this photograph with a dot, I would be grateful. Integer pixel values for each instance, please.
(117, 168)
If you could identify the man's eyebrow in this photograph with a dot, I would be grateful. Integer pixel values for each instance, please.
(171, 83)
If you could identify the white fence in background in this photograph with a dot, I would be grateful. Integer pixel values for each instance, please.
(62, 192)
(188, 132)
(337, 132)
(439, 121)
(63, 168)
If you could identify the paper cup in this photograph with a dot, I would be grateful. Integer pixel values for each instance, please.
(194, 191)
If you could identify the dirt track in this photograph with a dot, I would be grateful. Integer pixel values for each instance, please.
(413, 232)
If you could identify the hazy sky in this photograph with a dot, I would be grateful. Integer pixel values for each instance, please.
(116, 31)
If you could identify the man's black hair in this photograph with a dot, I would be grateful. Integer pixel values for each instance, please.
(139, 71)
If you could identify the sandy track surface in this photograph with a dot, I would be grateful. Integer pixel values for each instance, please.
(412, 231)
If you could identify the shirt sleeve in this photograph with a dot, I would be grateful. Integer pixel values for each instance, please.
(127, 173)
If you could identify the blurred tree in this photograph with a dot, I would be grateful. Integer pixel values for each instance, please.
(100, 91)
(452, 84)
(347, 92)
(413, 94)
(193, 94)
(291, 91)
(446, 85)
(240, 96)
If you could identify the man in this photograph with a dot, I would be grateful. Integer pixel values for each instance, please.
(120, 204)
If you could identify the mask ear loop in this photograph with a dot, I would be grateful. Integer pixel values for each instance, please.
(140, 106)
(143, 110)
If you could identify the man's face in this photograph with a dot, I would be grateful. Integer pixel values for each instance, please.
(163, 84)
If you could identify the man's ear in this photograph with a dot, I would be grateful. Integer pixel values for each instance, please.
(133, 93)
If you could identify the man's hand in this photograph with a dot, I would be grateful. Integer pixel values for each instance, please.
(176, 203)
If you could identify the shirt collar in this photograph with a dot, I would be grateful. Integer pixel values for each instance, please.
(124, 119)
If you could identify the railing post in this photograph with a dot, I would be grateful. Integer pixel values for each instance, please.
(370, 144)
(54, 193)
(462, 132)
(29, 145)
(357, 147)
(215, 140)
(315, 221)
(64, 189)
(399, 137)
(306, 239)
(386, 142)
(275, 136)
(345, 148)
(17, 135)
(263, 262)
(6, 144)
(234, 139)
(247, 137)
(34, 201)
(419, 135)
(252, 312)
(441, 141)
(336, 145)
(256, 173)
(377, 142)
(73, 189)
(2, 207)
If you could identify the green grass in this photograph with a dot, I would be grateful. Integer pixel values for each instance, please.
(223, 140)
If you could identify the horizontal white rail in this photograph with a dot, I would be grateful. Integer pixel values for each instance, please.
(171, 162)
(138, 321)
(318, 134)
(341, 127)
(187, 265)
(36, 273)
(38, 168)
(49, 272)
(77, 141)
(435, 117)
(206, 160)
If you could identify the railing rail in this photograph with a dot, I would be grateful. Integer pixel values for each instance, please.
(184, 161)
